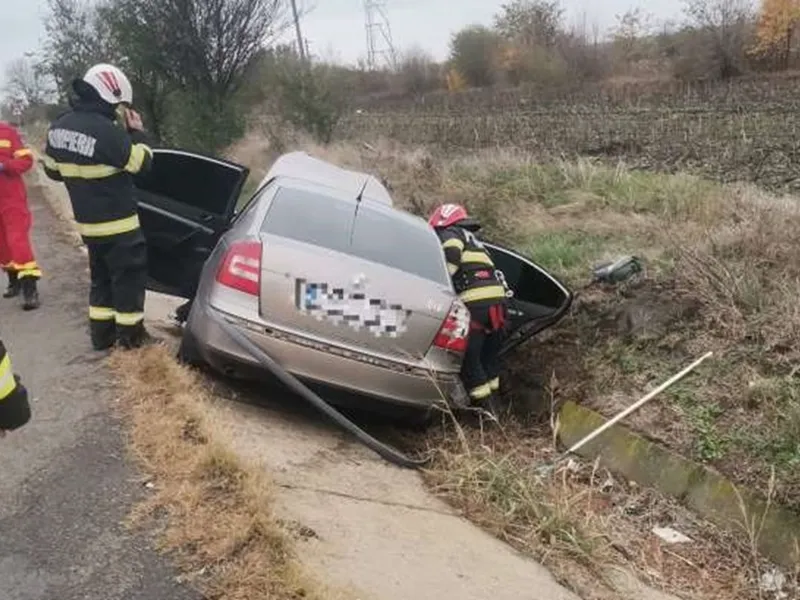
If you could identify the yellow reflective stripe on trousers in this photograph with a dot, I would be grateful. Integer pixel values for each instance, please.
(494, 384)
(136, 160)
(29, 269)
(7, 383)
(490, 292)
(109, 227)
(104, 313)
(480, 392)
(133, 318)
(453, 243)
(81, 171)
(452, 269)
(476, 257)
(101, 313)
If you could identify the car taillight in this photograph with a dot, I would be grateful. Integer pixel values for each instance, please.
(241, 267)
(454, 332)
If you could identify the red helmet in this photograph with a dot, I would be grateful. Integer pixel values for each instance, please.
(448, 215)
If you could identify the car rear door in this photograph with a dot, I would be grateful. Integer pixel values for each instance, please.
(186, 202)
(539, 300)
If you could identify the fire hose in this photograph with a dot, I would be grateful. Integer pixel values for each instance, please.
(385, 451)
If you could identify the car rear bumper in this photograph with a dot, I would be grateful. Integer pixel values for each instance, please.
(395, 385)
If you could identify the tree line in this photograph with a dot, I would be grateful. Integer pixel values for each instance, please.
(530, 42)
(196, 66)
(201, 68)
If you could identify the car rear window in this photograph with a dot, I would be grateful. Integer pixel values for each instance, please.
(389, 239)
(378, 236)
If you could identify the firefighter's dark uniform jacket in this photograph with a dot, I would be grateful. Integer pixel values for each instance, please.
(15, 411)
(96, 159)
(471, 268)
(477, 284)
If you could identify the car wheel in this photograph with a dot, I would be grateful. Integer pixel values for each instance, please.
(188, 352)
(418, 419)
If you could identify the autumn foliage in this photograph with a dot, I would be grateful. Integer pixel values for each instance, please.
(776, 29)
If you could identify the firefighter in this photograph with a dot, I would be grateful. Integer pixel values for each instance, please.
(481, 288)
(15, 411)
(16, 253)
(95, 149)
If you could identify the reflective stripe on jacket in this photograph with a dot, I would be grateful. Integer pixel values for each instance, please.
(14, 408)
(96, 159)
(471, 268)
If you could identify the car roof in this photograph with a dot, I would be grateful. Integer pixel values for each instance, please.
(303, 166)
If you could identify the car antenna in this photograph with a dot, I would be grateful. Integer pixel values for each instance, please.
(359, 198)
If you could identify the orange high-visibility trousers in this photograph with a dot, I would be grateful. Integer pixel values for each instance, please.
(16, 253)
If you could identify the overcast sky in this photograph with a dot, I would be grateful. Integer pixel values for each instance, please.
(335, 28)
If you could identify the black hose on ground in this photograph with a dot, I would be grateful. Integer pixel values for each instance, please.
(383, 450)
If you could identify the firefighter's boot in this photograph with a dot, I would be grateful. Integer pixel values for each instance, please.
(130, 338)
(30, 293)
(13, 289)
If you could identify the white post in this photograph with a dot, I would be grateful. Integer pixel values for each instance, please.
(639, 404)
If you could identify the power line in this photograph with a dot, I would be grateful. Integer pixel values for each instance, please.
(380, 47)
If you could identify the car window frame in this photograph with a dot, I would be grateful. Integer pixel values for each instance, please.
(253, 202)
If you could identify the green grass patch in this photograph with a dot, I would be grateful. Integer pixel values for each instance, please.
(569, 253)
(596, 185)
(778, 442)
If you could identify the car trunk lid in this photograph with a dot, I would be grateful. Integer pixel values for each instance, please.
(345, 300)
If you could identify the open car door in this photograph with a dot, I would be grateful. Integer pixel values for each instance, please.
(539, 300)
(186, 202)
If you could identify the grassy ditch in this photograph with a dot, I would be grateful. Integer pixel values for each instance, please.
(721, 274)
(585, 524)
(213, 511)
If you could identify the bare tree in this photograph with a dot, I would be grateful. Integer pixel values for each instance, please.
(76, 39)
(25, 84)
(722, 29)
(204, 45)
(418, 72)
(530, 22)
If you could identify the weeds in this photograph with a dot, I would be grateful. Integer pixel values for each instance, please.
(545, 518)
(218, 524)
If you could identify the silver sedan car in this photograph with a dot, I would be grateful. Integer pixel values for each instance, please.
(322, 273)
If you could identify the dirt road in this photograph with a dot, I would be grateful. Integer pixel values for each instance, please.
(65, 484)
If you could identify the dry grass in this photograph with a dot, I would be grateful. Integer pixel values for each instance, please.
(723, 274)
(214, 510)
(582, 522)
